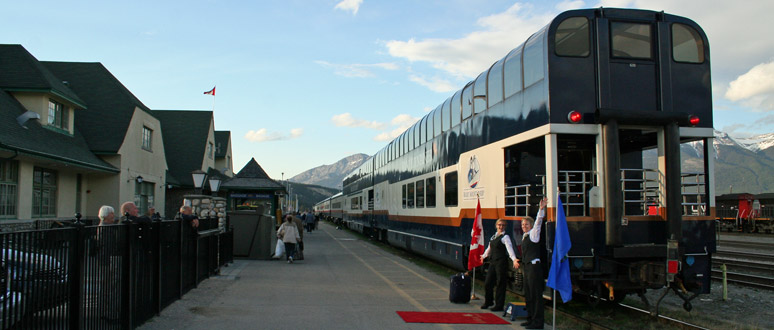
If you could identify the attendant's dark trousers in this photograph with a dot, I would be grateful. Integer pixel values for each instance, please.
(497, 274)
(533, 292)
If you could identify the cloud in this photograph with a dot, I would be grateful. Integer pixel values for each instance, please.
(357, 70)
(570, 4)
(262, 135)
(466, 57)
(349, 5)
(346, 120)
(401, 123)
(755, 88)
(436, 84)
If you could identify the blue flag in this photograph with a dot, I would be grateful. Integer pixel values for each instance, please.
(559, 274)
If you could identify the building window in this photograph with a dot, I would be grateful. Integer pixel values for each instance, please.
(9, 182)
(143, 196)
(43, 193)
(210, 150)
(57, 115)
(147, 135)
(450, 189)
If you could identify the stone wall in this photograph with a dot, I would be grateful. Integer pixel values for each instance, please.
(208, 206)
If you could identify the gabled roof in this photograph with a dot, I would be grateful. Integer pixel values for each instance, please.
(222, 139)
(252, 176)
(22, 72)
(41, 142)
(185, 140)
(111, 104)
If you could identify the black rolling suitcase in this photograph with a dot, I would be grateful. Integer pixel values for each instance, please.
(459, 290)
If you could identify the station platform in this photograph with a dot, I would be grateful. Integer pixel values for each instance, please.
(343, 283)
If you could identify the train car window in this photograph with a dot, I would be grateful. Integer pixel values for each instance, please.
(467, 101)
(494, 92)
(572, 37)
(422, 130)
(410, 195)
(404, 196)
(430, 123)
(533, 60)
(446, 117)
(430, 192)
(420, 193)
(455, 109)
(631, 40)
(450, 189)
(437, 120)
(687, 45)
(512, 73)
(416, 131)
(479, 93)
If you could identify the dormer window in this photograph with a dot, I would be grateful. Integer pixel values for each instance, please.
(57, 115)
(147, 135)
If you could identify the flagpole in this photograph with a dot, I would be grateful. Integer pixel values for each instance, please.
(553, 318)
(473, 288)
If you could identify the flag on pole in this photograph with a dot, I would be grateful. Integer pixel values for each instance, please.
(210, 92)
(559, 274)
(476, 240)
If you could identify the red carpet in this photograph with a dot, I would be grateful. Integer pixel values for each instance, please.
(451, 318)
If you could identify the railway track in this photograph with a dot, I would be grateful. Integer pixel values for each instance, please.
(756, 281)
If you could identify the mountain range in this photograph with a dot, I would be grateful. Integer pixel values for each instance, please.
(742, 165)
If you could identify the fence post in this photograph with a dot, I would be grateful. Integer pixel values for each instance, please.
(180, 257)
(76, 275)
(127, 286)
(157, 268)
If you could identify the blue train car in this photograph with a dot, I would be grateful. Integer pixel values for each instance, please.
(593, 109)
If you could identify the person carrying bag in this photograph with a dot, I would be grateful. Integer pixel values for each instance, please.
(288, 233)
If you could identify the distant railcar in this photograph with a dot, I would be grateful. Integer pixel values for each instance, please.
(746, 212)
(593, 109)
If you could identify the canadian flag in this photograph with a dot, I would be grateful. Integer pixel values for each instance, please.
(476, 240)
(210, 92)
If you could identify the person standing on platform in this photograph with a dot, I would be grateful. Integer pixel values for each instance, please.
(187, 216)
(500, 249)
(130, 213)
(533, 270)
(289, 234)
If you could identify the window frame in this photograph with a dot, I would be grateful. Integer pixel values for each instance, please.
(9, 189)
(697, 37)
(651, 45)
(42, 192)
(588, 37)
(147, 138)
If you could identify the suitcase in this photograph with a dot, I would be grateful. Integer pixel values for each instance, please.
(459, 290)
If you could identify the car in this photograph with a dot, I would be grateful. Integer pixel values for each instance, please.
(38, 280)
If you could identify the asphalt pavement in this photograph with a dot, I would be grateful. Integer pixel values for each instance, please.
(344, 282)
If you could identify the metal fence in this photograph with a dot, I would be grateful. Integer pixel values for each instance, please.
(104, 277)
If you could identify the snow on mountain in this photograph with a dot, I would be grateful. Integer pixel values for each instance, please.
(758, 142)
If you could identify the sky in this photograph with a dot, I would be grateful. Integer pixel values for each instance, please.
(304, 83)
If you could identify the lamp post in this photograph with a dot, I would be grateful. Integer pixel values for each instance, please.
(198, 179)
(214, 185)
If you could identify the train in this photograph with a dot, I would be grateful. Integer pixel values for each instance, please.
(592, 109)
(745, 213)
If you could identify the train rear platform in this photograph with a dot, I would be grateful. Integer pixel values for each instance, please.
(343, 283)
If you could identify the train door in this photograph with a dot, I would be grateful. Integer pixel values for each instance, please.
(627, 65)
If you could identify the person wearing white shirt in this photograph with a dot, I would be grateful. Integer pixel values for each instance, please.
(533, 270)
(500, 249)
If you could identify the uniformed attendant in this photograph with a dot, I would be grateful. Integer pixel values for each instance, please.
(533, 270)
(500, 249)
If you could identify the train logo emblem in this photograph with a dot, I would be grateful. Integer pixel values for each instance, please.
(474, 172)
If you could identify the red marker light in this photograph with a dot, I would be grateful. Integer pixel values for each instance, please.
(574, 117)
(672, 266)
(694, 120)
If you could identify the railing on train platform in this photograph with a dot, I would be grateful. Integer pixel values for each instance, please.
(101, 277)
